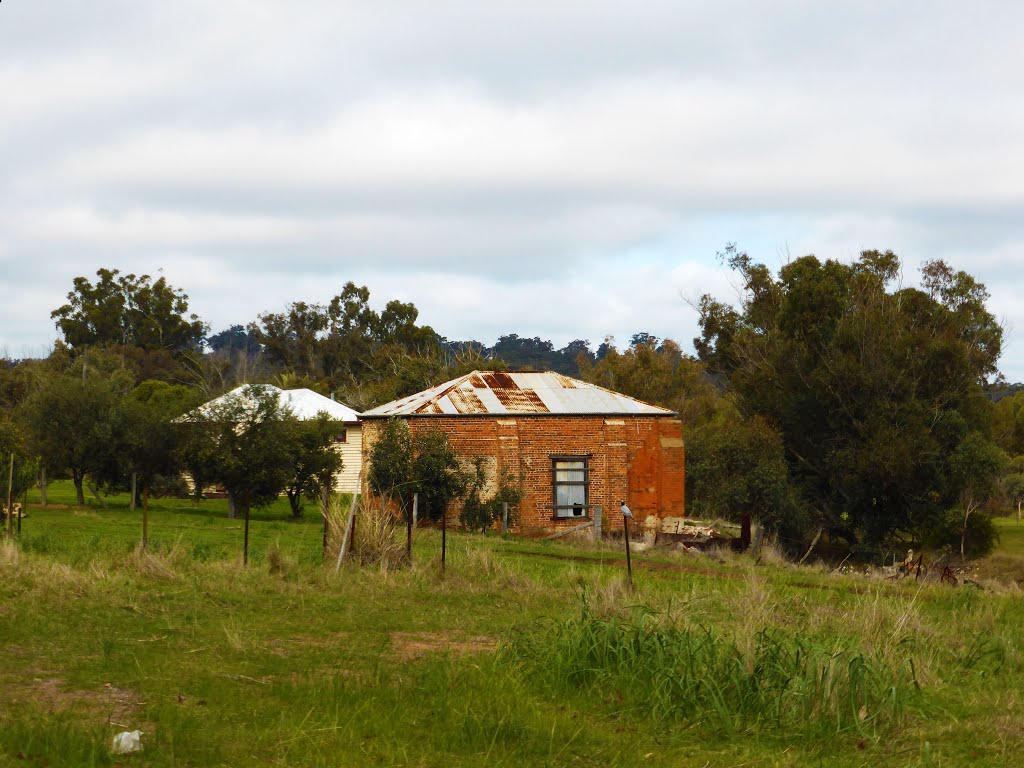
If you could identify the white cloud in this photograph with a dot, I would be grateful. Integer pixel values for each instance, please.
(509, 167)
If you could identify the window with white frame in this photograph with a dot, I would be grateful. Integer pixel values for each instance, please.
(570, 485)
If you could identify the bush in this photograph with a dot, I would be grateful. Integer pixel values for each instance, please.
(980, 540)
(478, 513)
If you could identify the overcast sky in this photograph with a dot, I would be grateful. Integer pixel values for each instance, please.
(562, 169)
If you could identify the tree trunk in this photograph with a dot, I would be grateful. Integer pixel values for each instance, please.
(78, 479)
(42, 487)
(232, 506)
(963, 534)
(811, 548)
(295, 501)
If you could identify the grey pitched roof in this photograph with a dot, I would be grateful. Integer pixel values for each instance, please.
(305, 404)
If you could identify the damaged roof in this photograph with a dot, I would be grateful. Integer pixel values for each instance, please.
(500, 392)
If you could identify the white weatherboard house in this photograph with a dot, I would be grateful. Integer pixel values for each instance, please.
(305, 404)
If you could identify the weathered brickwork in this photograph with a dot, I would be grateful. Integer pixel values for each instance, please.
(639, 459)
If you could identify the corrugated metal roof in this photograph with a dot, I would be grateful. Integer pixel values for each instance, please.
(305, 404)
(499, 392)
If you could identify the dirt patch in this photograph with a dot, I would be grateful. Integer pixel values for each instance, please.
(411, 645)
(109, 704)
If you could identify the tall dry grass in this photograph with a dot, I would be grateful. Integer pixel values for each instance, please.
(374, 539)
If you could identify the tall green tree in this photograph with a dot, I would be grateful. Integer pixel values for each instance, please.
(737, 466)
(391, 474)
(975, 466)
(347, 346)
(129, 311)
(438, 475)
(246, 444)
(74, 424)
(872, 388)
(314, 460)
(14, 440)
(734, 465)
(145, 451)
(1008, 423)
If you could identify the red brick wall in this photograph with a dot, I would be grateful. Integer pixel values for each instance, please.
(639, 459)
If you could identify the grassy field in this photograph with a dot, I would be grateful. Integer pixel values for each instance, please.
(523, 653)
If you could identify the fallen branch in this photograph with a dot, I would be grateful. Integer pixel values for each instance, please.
(811, 548)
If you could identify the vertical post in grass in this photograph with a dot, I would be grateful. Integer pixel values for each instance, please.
(504, 517)
(145, 518)
(415, 509)
(10, 499)
(627, 515)
(350, 529)
(444, 537)
(245, 541)
(42, 486)
(325, 501)
(408, 532)
(131, 503)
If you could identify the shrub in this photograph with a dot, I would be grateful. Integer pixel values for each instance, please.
(980, 540)
(479, 513)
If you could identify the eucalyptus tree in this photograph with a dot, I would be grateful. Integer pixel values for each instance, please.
(873, 387)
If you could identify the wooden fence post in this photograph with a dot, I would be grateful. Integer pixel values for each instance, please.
(350, 529)
(10, 500)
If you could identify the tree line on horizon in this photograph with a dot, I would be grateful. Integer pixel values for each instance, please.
(828, 399)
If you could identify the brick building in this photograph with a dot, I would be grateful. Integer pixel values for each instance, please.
(572, 446)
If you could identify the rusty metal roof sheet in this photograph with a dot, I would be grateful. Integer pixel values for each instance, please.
(500, 392)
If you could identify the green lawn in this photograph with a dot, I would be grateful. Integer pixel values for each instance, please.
(1011, 535)
(202, 529)
(524, 654)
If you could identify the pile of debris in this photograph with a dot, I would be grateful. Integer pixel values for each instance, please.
(18, 512)
(691, 534)
(939, 570)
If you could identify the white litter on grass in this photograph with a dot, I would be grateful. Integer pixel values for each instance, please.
(127, 742)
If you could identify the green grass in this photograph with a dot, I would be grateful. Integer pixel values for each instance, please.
(524, 653)
(1011, 535)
